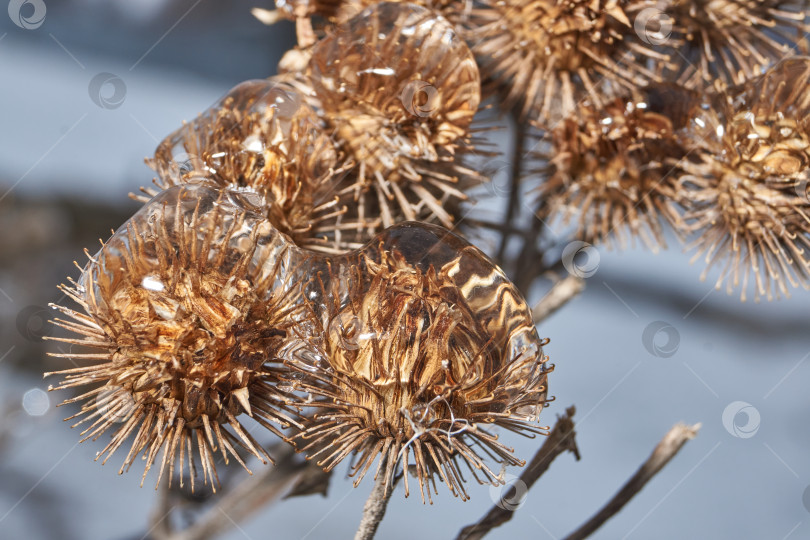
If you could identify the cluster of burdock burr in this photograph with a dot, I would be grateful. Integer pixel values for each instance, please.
(292, 268)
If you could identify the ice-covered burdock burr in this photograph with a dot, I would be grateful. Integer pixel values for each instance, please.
(398, 89)
(746, 181)
(182, 308)
(722, 42)
(422, 345)
(263, 137)
(609, 169)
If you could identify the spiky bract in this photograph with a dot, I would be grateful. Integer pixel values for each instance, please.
(726, 42)
(183, 305)
(421, 347)
(265, 137)
(399, 90)
(546, 56)
(610, 169)
(747, 182)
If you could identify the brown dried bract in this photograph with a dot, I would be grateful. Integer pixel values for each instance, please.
(546, 56)
(409, 367)
(726, 42)
(296, 9)
(265, 137)
(747, 182)
(399, 90)
(183, 309)
(452, 10)
(611, 169)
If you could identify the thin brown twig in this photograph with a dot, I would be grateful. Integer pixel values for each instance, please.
(501, 228)
(561, 438)
(561, 292)
(666, 449)
(531, 256)
(160, 524)
(6, 427)
(374, 509)
(251, 495)
(514, 178)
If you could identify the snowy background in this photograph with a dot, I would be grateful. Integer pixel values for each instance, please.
(63, 156)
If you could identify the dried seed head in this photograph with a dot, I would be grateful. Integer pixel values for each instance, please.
(295, 9)
(450, 9)
(724, 42)
(399, 89)
(609, 168)
(547, 55)
(424, 343)
(263, 136)
(183, 305)
(747, 182)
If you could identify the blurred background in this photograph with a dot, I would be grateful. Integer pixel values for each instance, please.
(87, 90)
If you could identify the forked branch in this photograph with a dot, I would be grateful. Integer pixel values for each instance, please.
(561, 438)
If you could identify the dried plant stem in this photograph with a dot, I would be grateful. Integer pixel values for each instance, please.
(561, 292)
(251, 495)
(498, 227)
(6, 428)
(530, 255)
(159, 522)
(516, 167)
(561, 438)
(672, 442)
(374, 509)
